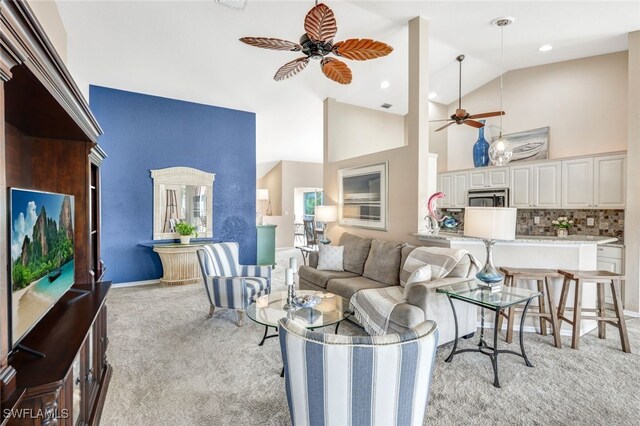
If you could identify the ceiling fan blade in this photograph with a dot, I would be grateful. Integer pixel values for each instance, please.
(361, 49)
(320, 23)
(445, 126)
(487, 114)
(291, 68)
(271, 43)
(475, 124)
(336, 70)
(444, 119)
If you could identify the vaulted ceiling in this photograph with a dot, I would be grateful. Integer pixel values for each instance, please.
(190, 51)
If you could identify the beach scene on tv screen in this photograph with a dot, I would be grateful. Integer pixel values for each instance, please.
(42, 255)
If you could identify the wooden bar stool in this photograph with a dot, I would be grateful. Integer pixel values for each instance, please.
(601, 278)
(546, 312)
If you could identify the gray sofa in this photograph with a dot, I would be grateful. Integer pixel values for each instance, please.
(373, 263)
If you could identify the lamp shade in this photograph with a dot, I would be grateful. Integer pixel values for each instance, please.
(490, 223)
(326, 214)
(262, 194)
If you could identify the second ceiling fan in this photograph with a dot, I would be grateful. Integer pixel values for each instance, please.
(461, 115)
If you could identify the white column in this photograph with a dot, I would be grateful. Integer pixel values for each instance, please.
(418, 116)
(632, 213)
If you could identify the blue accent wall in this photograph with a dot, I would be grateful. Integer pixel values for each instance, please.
(143, 132)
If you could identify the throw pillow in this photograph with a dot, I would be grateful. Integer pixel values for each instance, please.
(420, 275)
(330, 258)
(383, 262)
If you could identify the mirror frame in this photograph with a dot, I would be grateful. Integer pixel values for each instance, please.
(180, 176)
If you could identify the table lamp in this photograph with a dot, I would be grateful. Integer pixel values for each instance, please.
(490, 224)
(324, 215)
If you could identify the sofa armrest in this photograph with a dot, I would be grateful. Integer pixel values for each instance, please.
(419, 293)
(263, 271)
(313, 259)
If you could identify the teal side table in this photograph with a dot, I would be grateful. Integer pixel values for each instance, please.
(266, 244)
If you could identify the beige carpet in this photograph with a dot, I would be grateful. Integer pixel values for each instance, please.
(172, 366)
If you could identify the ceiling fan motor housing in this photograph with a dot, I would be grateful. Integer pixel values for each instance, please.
(313, 49)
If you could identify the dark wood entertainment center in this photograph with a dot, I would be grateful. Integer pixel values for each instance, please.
(48, 142)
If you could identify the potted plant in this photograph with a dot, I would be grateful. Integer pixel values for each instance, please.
(186, 230)
(562, 225)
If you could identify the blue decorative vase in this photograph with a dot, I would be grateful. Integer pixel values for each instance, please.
(481, 149)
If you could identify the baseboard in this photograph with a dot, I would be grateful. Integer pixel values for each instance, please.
(136, 283)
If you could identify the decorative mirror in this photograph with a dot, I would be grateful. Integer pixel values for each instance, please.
(182, 194)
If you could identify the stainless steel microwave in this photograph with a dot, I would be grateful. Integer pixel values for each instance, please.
(494, 197)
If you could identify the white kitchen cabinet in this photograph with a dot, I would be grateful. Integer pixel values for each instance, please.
(611, 259)
(547, 185)
(577, 183)
(445, 185)
(454, 186)
(492, 178)
(520, 189)
(609, 177)
(538, 185)
(460, 184)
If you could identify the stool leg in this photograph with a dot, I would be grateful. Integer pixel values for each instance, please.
(553, 315)
(622, 326)
(541, 309)
(602, 325)
(510, 319)
(500, 317)
(577, 314)
(563, 300)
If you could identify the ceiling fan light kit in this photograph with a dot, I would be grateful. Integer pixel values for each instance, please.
(317, 42)
(500, 150)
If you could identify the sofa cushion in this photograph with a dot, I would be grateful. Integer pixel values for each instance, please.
(406, 251)
(383, 262)
(320, 278)
(347, 287)
(356, 250)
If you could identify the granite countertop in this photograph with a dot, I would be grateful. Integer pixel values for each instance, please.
(571, 239)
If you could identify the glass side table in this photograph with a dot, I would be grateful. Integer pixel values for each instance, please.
(496, 301)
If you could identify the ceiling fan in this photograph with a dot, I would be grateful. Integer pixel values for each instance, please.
(461, 115)
(317, 42)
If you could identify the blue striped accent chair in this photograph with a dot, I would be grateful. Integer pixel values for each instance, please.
(229, 284)
(357, 380)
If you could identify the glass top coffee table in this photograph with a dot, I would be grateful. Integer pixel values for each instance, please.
(269, 309)
(496, 301)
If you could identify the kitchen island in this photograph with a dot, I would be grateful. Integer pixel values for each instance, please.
(578, 252)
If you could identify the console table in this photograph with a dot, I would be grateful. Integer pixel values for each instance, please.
(179, 263)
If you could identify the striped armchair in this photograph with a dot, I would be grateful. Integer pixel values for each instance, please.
(357, 380)
(229, 284)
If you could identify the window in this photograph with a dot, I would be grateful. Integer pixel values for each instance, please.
(311, 200)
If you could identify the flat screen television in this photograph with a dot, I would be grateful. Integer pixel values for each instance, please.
(42, 256)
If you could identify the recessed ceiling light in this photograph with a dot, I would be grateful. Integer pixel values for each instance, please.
(433, 95)
(545, 48)
(385, 84)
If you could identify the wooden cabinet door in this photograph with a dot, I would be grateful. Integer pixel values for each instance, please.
(447, 187)
(577, 183)
(521, 187)
(460, 189)
(609, 177)
(547, 185)
(499, 177)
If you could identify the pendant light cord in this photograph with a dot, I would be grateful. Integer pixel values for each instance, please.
(501, 74)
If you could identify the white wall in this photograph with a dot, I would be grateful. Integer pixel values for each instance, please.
(583, 101)
(438, 141)
(356, 131)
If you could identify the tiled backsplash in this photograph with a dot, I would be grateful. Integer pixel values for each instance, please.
(607, 223)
